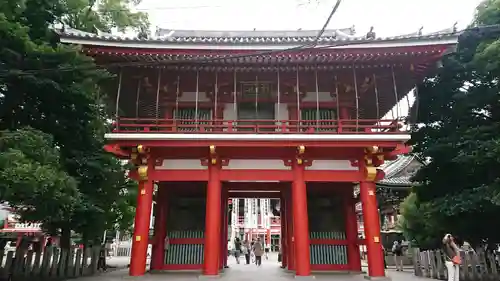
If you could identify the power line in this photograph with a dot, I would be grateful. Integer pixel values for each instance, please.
(312, 44)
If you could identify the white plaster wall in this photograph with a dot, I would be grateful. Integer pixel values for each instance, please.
(181, 164)
(281, 111)
(256, 164)
(230, 112)
(191, 97)
(332, 165)
(321, 96)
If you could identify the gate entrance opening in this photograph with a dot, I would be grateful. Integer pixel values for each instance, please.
(313, 225)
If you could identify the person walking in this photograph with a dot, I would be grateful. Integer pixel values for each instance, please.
(258, 250)
(246, 251)
(397, 251)
(452, 256)
(237, 249)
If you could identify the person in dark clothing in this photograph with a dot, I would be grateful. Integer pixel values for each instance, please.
(237, 249)
(246, 249)
(101, 262)
(397, 250)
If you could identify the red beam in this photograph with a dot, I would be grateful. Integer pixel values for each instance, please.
(282, 152)
(333, 176)
(245, 144)
(179, 175)
(257, 175)
(275, 186)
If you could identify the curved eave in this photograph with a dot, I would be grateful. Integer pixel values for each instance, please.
(396, 186)
(208, 44)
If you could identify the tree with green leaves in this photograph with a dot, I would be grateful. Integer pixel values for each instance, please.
(31, 173)
(105, 15)
(66, 109)
(458, 119)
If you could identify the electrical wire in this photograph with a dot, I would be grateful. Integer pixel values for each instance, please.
(312, 44)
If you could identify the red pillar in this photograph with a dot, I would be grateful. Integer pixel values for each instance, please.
(372, 229)
(351, 227)
(160, 231)
(213, 221)
(283, 234)
(289, 232)
(141, 227)
(300, 222)
(223, 238)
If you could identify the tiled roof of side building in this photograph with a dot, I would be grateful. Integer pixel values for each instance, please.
(392, 168)
(255, 37)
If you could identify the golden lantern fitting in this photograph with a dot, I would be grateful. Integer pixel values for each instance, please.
(371, 173)
(142, 171)
(141, 149)
(301, 149)
(372, 149)
(212, 149)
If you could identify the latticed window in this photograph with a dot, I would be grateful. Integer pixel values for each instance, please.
(312, 117)
(186, 118)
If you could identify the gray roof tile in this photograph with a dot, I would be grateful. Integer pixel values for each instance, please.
(253, 37)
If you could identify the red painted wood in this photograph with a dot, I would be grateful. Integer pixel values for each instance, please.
(338, 54)
(141, 228)
(160, 230)
(271, 144)
(257, 175)
(213, 222)
(372, 229)
(300, 222)
(284, 235)
(294, 125)
(351, 226)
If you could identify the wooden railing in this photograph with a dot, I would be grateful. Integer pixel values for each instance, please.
(346, 126)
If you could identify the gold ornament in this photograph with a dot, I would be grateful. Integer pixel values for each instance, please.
(372, 149)
(371, 173)
(214, 161)
(142, 171)
(212, 149)
(299, 161)
(141, 149)
(301, 149)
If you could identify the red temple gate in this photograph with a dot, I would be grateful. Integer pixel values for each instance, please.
(208, 117)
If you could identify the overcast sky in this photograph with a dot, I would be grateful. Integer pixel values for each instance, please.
(389, 17)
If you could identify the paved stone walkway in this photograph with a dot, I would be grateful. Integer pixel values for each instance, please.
(269, 270)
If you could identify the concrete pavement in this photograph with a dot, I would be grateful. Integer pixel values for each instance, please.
(269, 270)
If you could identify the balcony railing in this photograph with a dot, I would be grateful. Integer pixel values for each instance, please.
(345, 126)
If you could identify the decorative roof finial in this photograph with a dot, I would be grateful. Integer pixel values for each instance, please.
(455, 27)
(353, 30)
(371, 34)
(420, 31)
